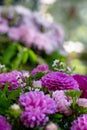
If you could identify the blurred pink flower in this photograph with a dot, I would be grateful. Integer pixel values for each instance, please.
(44, 68)
(82, 102)
(63, 102)
(51, 126)
(14, 33)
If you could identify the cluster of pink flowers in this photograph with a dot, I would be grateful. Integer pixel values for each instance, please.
(15, 79)
(36, 107)
(31, 30)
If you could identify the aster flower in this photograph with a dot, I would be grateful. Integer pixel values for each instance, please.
(59, 81)
(36, 105)
(4, 124)
(63, 102)
(80, 123)
(13, 78)
(40, 68)
(82, 81)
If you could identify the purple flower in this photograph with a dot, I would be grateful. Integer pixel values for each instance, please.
(82, 81)
(36, 106)
(80, 123)
(40, 68)
(59, 81)
(14, 33)
(27, 35)
(3, 28)
(13, 78)
(63, 102)
(4, 124)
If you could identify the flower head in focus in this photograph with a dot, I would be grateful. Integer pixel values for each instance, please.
(63, 102)
(36, 107)
(59, 81)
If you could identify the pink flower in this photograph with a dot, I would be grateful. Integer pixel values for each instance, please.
(82, 102)
(13, 78)
(59, 81)
(37, 106)
(4, 124)
(27, 35)
(80, 123)
(51, 126)
(14, 34)
(3, 28)
(40, 68)
(63, 102)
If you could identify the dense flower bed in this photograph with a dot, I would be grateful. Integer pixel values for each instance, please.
(30, 29)
(43, 99)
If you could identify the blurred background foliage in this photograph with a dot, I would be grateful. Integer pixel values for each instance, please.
(72, 16)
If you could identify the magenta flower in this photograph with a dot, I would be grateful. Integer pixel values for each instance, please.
(4, 124)
(40, 68)
(59, 81)
(36, 107)
(80, 123)
(63, 102)
(82, 81)
(14, 79)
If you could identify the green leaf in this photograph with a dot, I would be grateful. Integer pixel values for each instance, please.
(14, 94)
(9, 53)
(73, 93)
(25, 56)
(32, 56)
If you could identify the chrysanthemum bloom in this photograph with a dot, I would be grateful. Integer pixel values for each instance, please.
(82, 81)
(82, 102)
(4, 124)
(80, 123)
(63, 102)
(40, 68)
(51, 126)
(14, 79)
(59, 81)
(36, 105)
